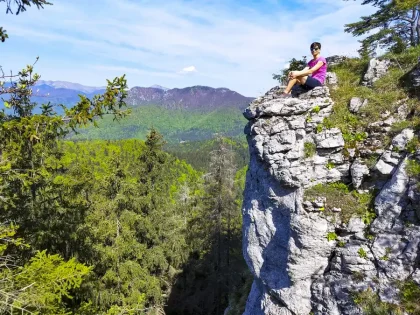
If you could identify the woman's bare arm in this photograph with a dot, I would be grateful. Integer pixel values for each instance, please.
(307, 71)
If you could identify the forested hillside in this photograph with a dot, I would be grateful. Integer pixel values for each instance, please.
(113, 223)
(110, 226)
(177, 125)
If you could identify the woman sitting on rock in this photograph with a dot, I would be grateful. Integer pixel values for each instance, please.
(310, 77)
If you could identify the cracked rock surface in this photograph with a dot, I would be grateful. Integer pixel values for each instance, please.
(297, 269)
(377, 69)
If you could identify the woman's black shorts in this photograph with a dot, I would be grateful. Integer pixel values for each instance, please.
(311, 83)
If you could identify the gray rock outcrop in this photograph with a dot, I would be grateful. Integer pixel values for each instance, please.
(335, 60)
(358, 170)
(332, 80)
(356, 103)
(298, 269)
(377, 69)
(414, 75)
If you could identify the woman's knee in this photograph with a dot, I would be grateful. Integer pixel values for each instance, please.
(302, 80)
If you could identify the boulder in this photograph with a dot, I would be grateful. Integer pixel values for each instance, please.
(358, 170)
(329, 138)
(377, 69)
(356, 103)
(331, 79)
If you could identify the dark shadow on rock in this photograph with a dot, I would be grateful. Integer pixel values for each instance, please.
(410, 82)
(279, 200)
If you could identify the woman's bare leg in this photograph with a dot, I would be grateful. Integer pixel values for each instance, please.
(302, 80)
(298, 80)
(290, 85)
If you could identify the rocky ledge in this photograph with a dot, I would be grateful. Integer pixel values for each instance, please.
(298, 269)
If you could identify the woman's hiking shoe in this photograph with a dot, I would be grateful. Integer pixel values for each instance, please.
(285, 95)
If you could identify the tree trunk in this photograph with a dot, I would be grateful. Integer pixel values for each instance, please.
(413, 28)
(418, 26)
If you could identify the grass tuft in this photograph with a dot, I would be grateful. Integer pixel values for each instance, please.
(339, 195)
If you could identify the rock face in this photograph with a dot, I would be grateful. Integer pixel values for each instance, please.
(414, 75)
(377, 69)
(297, 269)
(332, 80)
(356, 103)
(335, 60)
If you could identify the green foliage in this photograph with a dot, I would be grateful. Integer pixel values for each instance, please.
(385, 95)
(216, 267)
(409, 296)
(176, 125)
(413, 145)
(316, 109)
(369, 236)
(197, 153)
(32, 179)
(48, 196)
(309, 149)
(341, 243)
(330, 165)
(413, 169)
(362, 253)
(393, 22)
(407, 4)
(371, 161)
(368, 217)
(7, 237)
(399, 126)
(338, 195)
(294, 65)
(141, 203)
(319, 128)
(134, 213)
(372, 305)
(331, 236)
(386, 256)
(239, 296)
(358, 276)
(40, 286)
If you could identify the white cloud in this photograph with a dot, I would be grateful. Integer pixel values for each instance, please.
(237, 49)
(189, 69)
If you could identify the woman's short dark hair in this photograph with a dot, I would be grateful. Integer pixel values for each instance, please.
(316, 44)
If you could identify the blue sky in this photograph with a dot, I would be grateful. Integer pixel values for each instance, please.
(176, 43)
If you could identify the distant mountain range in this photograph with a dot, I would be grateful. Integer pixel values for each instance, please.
(198, 97)
(70, 86)
(182, 115)
(202, 98)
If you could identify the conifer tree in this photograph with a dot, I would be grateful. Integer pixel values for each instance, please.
(134, 231)
(396, 21)
(219, 209)
(216, 264)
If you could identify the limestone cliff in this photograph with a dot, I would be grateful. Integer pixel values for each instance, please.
(297, 268)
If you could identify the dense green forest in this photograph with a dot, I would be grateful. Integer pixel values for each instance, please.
(95, 223)
(176, 125)
(111, 226)
(198, 153)
(119, 226)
